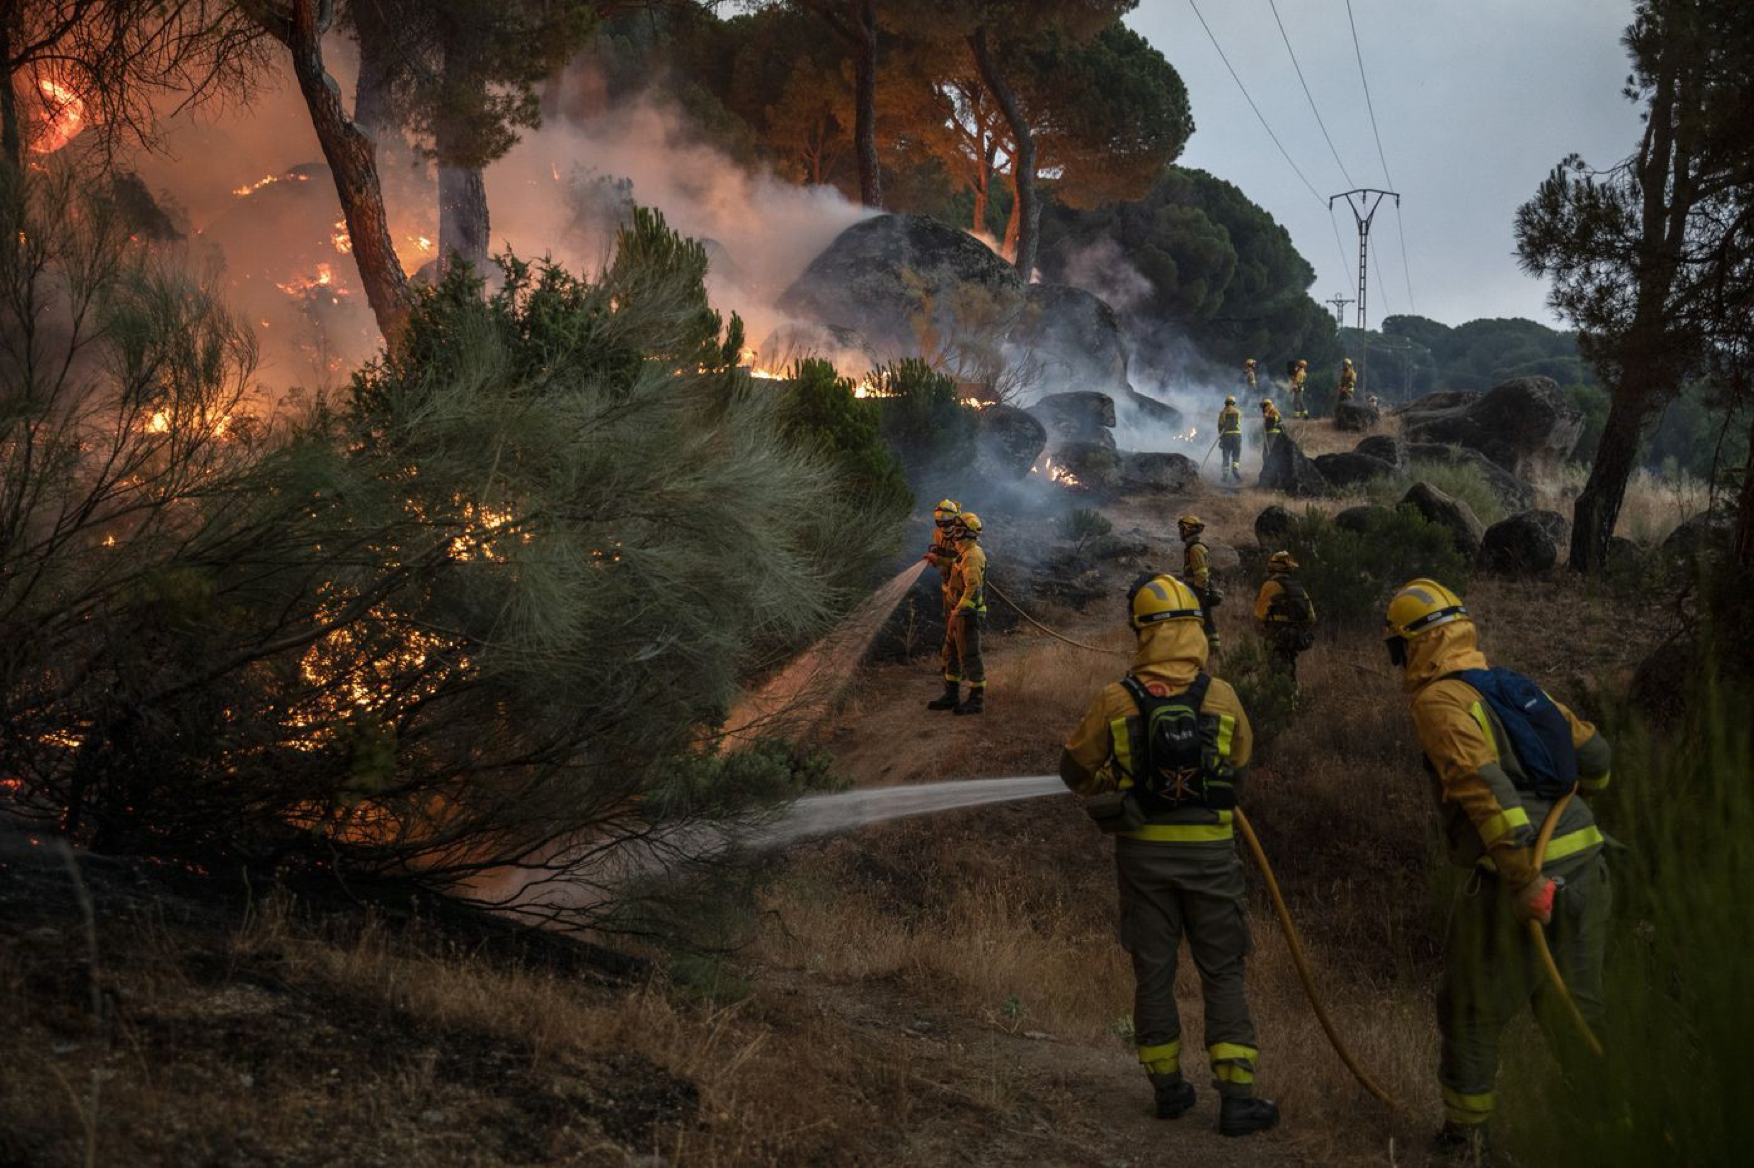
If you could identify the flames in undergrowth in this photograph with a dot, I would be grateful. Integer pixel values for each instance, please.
(64, 116)
(1055, 472)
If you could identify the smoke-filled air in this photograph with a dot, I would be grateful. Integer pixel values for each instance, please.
(864, 582)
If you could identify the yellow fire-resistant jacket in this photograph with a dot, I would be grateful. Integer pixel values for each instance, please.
(1095, 758)
(1230, 420)
(942, 556)
(1270, 591)
(1270, 420)
(1348, 378)
(1297, 379)
(1487, 820)
(1196, 567)
(968, 579)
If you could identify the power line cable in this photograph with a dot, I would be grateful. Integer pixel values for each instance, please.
(1345, 264)
(1286, 37)
(1358, 51)
(1314, 194)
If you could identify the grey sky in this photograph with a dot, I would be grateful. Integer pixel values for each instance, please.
(1476, 100)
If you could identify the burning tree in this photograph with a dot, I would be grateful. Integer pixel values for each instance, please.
(476, 619)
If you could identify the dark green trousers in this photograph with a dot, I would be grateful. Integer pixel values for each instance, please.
(1172, 890)
(1492, 972)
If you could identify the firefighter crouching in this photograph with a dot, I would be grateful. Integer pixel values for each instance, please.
(1160, 758)
(967, 600)
(1502, 753)
(1284, 612)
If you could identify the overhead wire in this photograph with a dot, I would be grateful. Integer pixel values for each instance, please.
(1286, 37)
(1248, 98)
(1358, 52)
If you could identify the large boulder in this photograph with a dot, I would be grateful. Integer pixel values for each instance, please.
(1090, 466)
(1384, 446)
(1286, 468)
(1145, 421)
(1355, 416)
(1557, 526)
(1221, 557)
(1272, 526)
(1514, 493)
(1159, 474)
(1522, 545)
(1007, 442)
(1453, 514)
(885, 277)
(1081, 416)
(1524, 425)
(1072, 338)
(1362, 519)
(1352, 469)
(1707, 535)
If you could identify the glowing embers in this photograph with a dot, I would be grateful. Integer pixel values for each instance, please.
(1056, 473)
(249, 189)
(64, 116)
(320, 282)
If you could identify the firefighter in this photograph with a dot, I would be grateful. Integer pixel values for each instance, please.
(1501, 753)
(1348, 380)
(1284, 613)
(942, 556)
(1299, 374)
(1197, 575)
(1230, 440)
(1248, 373)
(1168, 799)
(968, 617)
(1272, 423)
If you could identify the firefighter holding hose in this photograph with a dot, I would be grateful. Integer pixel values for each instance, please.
(942, 556)
(966, 607)
(1504, 756)
(1159, 760)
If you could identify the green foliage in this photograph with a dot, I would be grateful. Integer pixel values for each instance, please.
(700, 784)
(1266, 691)
(923, 420)
(1462, 481)
(1220, 269)
(1081, 524)
(1592, 402)
(1678, 959)
(821, 413)
(1350, 575)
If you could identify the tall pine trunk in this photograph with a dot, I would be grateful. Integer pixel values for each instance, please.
(1026, 208)
(865, 106)
(352, 160)
(462, 192)
(1597, 510)
(11, 138)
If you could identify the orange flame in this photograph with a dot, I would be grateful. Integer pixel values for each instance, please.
(64, 117)
(340, 238)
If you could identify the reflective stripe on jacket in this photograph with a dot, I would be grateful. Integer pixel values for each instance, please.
(1230, 420)
(968, 579)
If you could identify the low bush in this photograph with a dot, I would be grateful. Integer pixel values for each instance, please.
(1462, 481)
(1081, 525)
(924, 422)
(822, 413)
(1351, 574)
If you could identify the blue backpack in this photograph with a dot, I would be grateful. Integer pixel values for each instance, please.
(1540, 736)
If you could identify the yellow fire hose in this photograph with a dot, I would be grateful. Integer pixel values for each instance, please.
(1048, 631)
(1540, 935)
(1301, 960)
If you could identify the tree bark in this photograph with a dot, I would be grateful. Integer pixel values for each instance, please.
(1027, 207)
(1744, 551)
(11, 139)
(352, 160)
(463, 221)
(1598, 507)
(865, 106)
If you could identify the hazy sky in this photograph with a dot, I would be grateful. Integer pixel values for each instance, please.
(1475, 100)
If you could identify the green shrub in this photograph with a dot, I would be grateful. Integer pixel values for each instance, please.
(1081, 525)
(1351, 575)
(1266, 692)
(924, 421)
(821, 413)
(1459, 480)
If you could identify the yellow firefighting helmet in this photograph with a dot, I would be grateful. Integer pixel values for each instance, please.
(1160, 597)
(968, 525)
(945, 512)
(1190, 524)
(1281, 562)
(1303, 364)
(1420, 606)
(1230, 399)
(1250, 362)
(1347, 362)
(1266, 404)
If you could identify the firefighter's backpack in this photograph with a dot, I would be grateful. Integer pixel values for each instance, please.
(1180, 765)
(1539, 734)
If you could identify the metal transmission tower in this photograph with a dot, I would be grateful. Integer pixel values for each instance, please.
(1363, 203)
(1339, 302)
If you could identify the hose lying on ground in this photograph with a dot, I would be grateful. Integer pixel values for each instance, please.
(1539, 933)
(1303, 974)
(1048, 631)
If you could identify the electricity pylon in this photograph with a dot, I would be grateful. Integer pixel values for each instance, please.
(1363, 203)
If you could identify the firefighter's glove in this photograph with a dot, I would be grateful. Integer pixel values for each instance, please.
(1534, 901)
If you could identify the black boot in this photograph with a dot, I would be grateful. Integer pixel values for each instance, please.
(1461, 1145)
(1175, 1096)
(952, 697)
(976, 695)
(1244, 1117)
